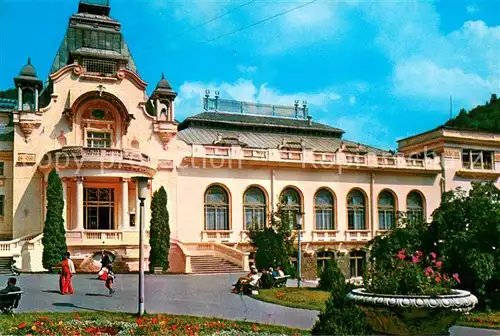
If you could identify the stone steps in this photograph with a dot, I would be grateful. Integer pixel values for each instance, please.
(211, 264)
(5, 264)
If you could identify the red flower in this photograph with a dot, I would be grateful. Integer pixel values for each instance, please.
(76, 317)
(438, 279)
(439, 264)
(174, 327)
(22, 325)
(433, 255)
(419, 254)
(139, 320)
(428, 271)
(154, 320)
(401, 256)
(455, 276)
(415, 259)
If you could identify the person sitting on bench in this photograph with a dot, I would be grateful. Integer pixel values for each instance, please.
(11, 287)
(251, 279)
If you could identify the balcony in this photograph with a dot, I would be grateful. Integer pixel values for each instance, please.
(325, 235)
(357, 235)
(103, 237)
(73, 157)
(310, 158)
(217, 236)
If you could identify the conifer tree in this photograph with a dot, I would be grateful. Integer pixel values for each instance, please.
(159, 238)
(54, 234)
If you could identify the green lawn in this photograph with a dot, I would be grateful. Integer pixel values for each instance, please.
(481, 320)
(305, 298)
(95, 323)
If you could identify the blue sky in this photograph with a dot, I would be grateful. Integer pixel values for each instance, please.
(380, 70)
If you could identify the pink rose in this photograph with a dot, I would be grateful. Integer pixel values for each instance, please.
(419, 254)
(401, 256)
(428, 271)
(439, 264)
(415, 259)
(433, 255)
(438, 279)
(455, 276)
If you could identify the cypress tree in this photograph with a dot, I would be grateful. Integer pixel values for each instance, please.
(159, 238)
(54, 234)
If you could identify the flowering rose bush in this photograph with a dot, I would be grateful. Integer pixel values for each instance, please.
(410, 274)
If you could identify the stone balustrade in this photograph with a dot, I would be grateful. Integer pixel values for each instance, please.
(218, 236)
(315, 159)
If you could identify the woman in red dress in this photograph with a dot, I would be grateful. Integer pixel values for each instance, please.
(65, 276)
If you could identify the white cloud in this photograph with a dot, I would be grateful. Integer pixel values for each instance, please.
(352, 100)
(247, 69)
(471, 9)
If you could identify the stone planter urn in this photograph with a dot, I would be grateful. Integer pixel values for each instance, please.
(412, 314)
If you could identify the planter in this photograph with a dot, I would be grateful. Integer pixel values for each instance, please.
(158, 270)
(412, 314)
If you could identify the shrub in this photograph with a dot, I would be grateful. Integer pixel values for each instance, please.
(54, 234)
(159, 238)
(340, 317)
(332, 279)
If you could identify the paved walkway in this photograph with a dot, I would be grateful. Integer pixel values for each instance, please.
(203, 295)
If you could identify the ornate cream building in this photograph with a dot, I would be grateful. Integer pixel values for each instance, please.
(223, 169)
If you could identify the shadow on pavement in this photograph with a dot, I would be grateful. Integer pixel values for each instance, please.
(95, 294)
(70, 305)
(52, 291)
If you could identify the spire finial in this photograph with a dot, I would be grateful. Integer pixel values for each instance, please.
(162, 76)
(29, 60)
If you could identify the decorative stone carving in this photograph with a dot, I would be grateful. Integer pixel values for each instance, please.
(26, 158)
(452, 153)
(62, 139)
(165, 165)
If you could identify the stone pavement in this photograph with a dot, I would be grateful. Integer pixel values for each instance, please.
(202, 295)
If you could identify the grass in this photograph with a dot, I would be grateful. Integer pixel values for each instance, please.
(481, 320)
(93, 323)
(305, 298)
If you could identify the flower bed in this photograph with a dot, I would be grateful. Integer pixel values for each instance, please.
(305, 298)
(97, 323)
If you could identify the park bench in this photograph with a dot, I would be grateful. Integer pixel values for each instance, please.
(10, 301)
(280, 281)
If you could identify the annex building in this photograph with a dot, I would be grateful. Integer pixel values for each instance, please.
(224, 169)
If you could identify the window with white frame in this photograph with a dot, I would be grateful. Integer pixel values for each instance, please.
(323, 210)
(386, 210)
(356, 211)
(291, 203)
(254, 204)
(98, 139)
(216, 209)
(477, 159)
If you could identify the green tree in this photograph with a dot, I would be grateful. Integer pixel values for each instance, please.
(466, 231)
(159, 238)
(332, 278)
(481, 118)
(54, 234)
(274, 243)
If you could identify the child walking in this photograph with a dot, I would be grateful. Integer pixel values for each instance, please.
(110, 280)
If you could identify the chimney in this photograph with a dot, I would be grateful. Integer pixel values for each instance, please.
(309, 119)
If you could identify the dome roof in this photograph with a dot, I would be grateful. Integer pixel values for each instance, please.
(163, 83)
(28, 70)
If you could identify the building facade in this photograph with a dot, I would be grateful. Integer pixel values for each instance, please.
(224, 169)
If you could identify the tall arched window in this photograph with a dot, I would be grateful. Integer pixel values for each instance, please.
(356, 210)
(323, 210)
(254, 207)
(291, 202)
(386, 210)
(414, 207)
(216, 209)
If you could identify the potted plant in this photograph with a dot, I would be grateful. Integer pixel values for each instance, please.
(410, 295)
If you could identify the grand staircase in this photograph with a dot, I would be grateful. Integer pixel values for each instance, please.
(5, 265)
(206, 264)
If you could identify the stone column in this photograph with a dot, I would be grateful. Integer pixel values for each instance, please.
(65, 203)
(125, 215)
(79, 203)
(20, 99)
(36, 99)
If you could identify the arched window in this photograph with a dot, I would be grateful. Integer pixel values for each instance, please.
(323, 210)
(357, 260)
(322, 258)
(414, 207)
(254, 207)
(290, 200)
(356, 210)
(216, 209)
(386, 210)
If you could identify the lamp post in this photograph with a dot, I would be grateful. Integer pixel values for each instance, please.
(299, 260)
(142, 186)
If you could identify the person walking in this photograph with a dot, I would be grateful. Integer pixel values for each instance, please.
(65, 276)
(110, 280)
